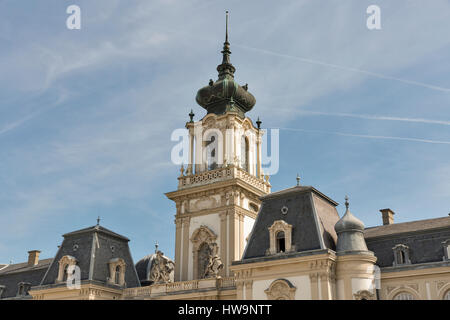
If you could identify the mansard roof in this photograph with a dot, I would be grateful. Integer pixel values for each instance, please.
(311, 214)
(424, 239)
(93, 248)
(13, 274)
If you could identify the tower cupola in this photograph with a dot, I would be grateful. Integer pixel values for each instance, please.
(225, 94)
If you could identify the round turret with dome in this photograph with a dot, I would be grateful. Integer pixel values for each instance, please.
(350, 232)
(225, 94)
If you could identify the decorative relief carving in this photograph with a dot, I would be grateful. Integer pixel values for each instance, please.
(202, 240)
(364, 295)
(161, 269)
(281, 289)
(214, 263)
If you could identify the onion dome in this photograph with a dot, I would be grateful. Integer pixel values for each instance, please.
(225, 94)
(350, 232)
(348, 222)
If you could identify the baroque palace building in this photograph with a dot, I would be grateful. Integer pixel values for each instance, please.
(235, 239)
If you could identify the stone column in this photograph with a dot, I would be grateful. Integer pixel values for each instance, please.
(191, 152)
(198, 132)
(258, 155)
(249, 290)
(314, 286)
(186, 242)
(241, 235)
(178, 248)
(224, 242)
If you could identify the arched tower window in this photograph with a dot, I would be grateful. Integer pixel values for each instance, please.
(281, 241)
(203, 255)
(244, 153)
(211, 155)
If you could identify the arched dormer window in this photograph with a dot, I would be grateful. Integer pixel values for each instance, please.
(446, 246)
(66, 272)
(280, 234)
(64, 264)
(244, 153)
(117, 277)
(281, 241)
(117, 271)
(401, 255)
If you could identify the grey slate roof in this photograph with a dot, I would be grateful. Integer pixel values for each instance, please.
(13, 274)
(93, 248)
(423, 237)
(311, 214)
(406, 227)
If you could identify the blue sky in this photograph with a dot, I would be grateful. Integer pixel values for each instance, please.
(86, 115)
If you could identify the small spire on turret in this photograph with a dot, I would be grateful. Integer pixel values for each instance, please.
(258, 123)
(298, 180)
(346, 202)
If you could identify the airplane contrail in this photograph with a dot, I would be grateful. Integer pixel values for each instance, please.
(375, 117)
(368, 136)
(369, 73)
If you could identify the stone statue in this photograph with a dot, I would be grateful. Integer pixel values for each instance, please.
(161, 268)
(214, 263)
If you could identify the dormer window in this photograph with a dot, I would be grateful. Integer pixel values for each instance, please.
(280, 238)
(117, 277)
(66, 272)
(23, 288)
(281, 241)
(446, 246)
(64, 264)
(117, 271)
(401, 255)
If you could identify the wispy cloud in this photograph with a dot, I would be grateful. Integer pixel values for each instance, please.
(345, 68)
(374, 117)
(368, 136)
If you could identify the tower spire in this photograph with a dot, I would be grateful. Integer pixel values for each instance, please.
(226, 69)
(226, 27)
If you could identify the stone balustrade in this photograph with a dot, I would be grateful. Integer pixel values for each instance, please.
(221, 174)
(180, 287)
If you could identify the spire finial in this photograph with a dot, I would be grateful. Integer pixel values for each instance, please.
(98, 220)
(346, 202)
(258, 123)
(226, 27)
(226, 69)
(298, 179)
(156, 246)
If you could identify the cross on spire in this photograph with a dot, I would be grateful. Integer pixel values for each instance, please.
(346, 202)
(98, 220)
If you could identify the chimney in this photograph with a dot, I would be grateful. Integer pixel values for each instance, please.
(388, 216)
(33, 257)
